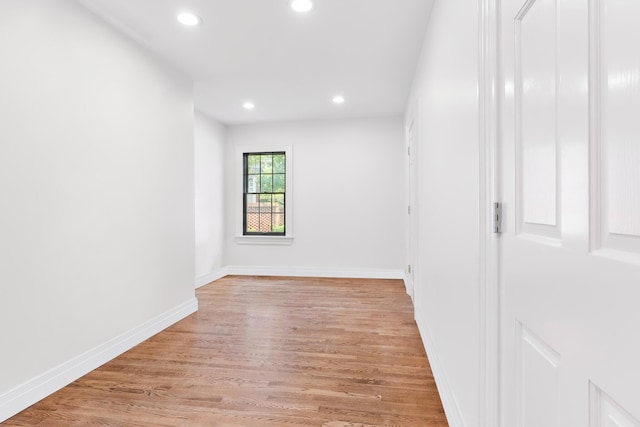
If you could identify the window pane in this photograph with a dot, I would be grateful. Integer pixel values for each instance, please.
(253, 184)
(252, 203)
(253, 164)
(278, 163)
(265, 223)
(253, 215)
(278, 201)
(266, 183)
(278, 214)
(265, 203)
(267, 161)
(277, 223)
(278, 183)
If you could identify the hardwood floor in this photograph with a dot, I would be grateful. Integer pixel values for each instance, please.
(266, 352)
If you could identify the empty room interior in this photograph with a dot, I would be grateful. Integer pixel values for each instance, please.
(335, 213)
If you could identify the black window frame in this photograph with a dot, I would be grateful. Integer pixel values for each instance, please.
(245, 193)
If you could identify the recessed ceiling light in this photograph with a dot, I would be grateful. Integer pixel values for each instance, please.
(189, 19)
(249, 105)
(338, 99)
(301, 6)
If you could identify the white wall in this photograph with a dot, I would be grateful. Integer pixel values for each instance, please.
(447, 295)
(209, 137)
(96, 187)
(348, 191)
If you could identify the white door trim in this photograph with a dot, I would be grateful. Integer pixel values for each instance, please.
(411, 129)
(489, 191)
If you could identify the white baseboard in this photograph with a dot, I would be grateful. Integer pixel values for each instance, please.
(451, 408)
(34, 390)
(247, 270)
(408, 286)
(211, 277)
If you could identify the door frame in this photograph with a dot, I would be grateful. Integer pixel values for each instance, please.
(489, 193)
(412, 244)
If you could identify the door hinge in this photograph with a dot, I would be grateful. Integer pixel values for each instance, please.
(409, 210)
(408, 151)
(409, 268)
(497, 218)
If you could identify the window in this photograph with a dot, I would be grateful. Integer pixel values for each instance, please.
(264, 193)
(246, 184)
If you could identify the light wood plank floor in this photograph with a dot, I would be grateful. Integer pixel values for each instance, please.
(266, 352)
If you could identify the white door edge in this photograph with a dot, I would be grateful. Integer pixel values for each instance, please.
(489, 191)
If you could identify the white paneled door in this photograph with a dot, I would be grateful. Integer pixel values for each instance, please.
(570, 266)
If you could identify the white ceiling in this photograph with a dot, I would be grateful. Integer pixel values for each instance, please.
(289, 64)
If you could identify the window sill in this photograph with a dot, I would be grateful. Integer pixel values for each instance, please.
(264, 240)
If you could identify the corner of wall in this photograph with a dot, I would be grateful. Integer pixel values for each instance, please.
(211, 277)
